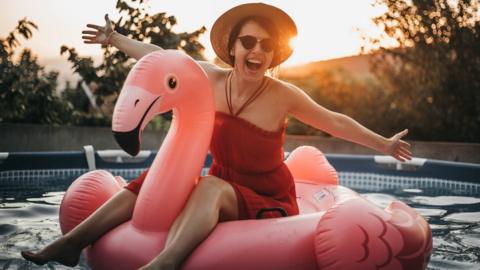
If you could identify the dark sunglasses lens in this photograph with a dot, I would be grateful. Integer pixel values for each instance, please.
(248, 42)
(267, 45)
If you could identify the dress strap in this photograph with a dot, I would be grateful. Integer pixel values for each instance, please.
(228, 93)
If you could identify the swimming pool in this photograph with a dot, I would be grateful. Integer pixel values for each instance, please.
(445, 193)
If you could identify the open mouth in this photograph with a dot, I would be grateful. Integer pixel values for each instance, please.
(253, 64)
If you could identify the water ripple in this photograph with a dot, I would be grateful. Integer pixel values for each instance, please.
(471, 217)
(444, 200)
(31, 223)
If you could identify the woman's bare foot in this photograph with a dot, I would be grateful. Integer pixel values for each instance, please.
(60, 251)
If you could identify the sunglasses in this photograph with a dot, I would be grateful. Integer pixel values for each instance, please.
(249, 42)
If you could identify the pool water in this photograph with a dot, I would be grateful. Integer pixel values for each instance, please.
(29, 220)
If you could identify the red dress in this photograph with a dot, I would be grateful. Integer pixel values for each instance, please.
(251, 160)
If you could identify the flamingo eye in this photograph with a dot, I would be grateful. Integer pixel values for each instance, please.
(172, 82)
(136, 101)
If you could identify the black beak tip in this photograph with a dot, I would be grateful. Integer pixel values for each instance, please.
(132, 152)
(128, 141)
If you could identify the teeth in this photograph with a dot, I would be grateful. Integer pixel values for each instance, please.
(254, 61)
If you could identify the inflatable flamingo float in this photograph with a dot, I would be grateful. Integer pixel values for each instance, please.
(336, 228)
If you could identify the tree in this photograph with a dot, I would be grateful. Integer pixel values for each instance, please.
(136, 23)
(432, 77)
(27, 92)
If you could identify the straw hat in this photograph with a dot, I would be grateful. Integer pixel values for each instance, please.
(223, 26)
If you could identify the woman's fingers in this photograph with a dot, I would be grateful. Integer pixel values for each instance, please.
(401, 154)
(403, 150)
(107, 20)
(398, 157)
(407, 151)
(108, 23)
(88, 38)
(99, 35)
(91, 39)
(400, 149)
(86, 32)
(406, 156)
(403, 133)
(405, 144)
(399, 135)
(97, 27)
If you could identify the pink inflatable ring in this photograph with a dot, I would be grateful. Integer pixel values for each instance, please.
(336, 228)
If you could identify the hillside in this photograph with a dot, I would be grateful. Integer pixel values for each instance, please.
(358, 65)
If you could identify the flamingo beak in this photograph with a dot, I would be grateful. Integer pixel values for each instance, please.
(130, 141)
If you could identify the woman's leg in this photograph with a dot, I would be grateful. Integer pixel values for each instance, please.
(67, 249)
(213, 199)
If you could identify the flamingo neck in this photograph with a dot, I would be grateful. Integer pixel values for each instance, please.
(176, 167)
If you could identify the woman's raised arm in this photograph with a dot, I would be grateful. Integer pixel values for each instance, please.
(107, 36)
(302, 107)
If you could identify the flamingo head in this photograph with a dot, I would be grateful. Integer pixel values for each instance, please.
(159, 82)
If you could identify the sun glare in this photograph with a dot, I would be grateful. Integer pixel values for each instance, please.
(293, 43)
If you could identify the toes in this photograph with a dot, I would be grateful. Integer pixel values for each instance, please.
(30, 256)
(27, 254)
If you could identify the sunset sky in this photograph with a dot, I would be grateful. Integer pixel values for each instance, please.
(327, 29)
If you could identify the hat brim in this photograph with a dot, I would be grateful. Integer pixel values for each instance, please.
(223, 26)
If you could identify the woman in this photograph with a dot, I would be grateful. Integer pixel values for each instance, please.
(248, 174)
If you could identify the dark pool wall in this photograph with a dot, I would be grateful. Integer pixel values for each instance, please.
(21, 138)
(33, 138)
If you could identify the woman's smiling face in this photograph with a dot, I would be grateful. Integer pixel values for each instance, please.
(252, 63)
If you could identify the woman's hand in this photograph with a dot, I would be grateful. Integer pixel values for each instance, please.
(397, 148)
(101, 35)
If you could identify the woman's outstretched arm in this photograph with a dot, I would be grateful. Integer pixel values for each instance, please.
(302, 107)
(106, 35)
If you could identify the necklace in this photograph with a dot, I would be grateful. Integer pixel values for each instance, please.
(228, 93)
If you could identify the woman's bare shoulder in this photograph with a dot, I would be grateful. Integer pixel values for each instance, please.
(213, 71)
(283, 88)
(287, 94)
